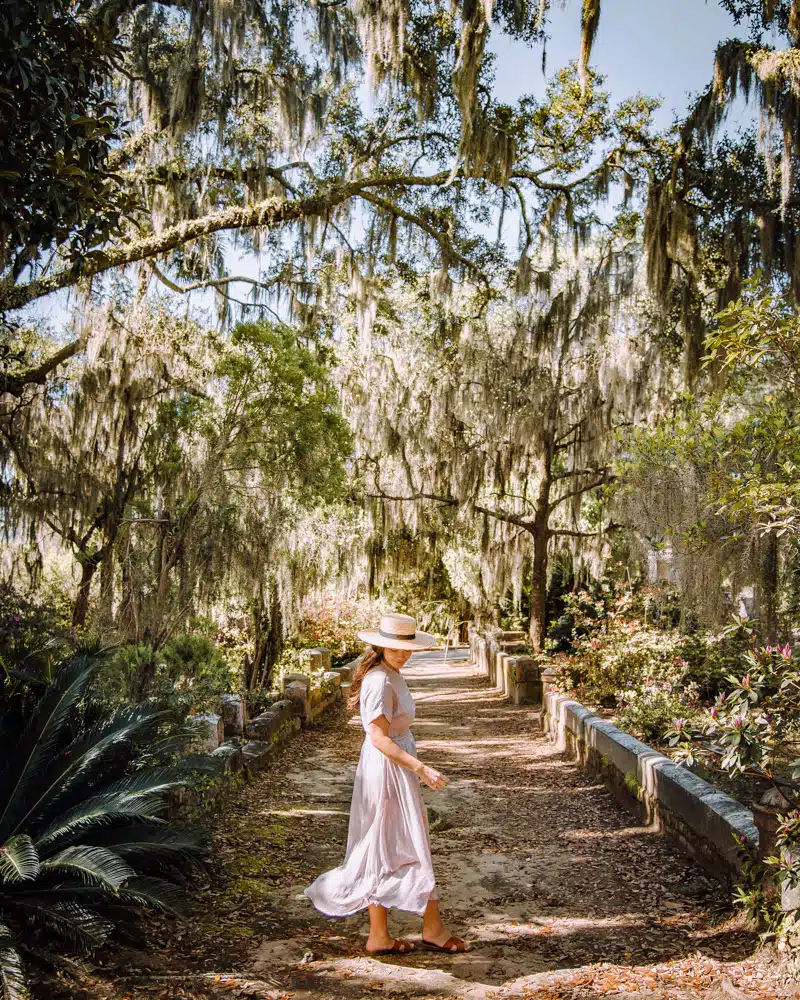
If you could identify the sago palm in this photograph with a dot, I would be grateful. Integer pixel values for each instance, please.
(83, 837)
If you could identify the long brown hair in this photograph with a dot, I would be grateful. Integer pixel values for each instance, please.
(370, 659)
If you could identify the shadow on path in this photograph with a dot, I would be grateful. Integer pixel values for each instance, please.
(563, 896)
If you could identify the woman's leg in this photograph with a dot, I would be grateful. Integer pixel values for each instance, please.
(434, 929)
(379, 938)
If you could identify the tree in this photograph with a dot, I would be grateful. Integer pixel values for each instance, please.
(502, 418)
(178, 465)
(298, 170)
(58, 130)
(717, 479)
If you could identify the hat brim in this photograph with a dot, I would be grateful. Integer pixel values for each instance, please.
(422, 640)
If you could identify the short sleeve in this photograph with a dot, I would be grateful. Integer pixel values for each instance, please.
(376, 697)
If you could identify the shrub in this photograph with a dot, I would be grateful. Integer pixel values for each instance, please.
(33, 633)
(650, 710)
(619, 655)
(83, 843)
(189, 673)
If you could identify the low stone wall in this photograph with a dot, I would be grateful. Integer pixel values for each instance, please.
(241, 748)
(501, 657)
(701, 819)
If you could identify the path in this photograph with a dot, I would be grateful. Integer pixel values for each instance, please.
(564, 896)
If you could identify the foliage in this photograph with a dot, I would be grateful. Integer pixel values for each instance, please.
(189, 673)
(34, 633)
(334, 624)
(753, 727)
(178, 469)
(56, 188)
(623, 655)
(83, 843)
(757, 343)
(523, 392)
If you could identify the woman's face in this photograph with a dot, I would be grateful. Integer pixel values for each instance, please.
(396, 657)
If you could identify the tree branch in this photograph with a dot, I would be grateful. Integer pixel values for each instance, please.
(269, 213)
(15, 384)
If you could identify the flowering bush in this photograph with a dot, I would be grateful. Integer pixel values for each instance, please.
(623, 655)
(650, 709)
(334, 624)
(753, 729)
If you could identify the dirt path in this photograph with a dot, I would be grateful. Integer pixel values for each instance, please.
(563, 897)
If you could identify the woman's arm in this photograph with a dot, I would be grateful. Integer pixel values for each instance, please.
(379, 736)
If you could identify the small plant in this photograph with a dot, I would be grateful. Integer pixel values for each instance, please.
(83, 842)
(632, 785)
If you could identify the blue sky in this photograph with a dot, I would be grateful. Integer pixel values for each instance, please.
(662, 48)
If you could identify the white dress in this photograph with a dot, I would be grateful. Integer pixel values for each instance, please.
(388, 858)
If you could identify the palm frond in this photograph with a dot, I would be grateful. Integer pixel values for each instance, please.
(70, 920)
(19, 860)
(12, 976)
(93, 865)
(156, 894)
(41, 738)
(84, 760)
(143, 794)
(102, 810)
(144, 846)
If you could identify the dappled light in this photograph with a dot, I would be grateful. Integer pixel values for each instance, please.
(400, 499)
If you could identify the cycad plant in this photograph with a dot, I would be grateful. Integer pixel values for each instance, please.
(84, 842)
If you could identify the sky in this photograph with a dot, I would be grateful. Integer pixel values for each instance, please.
(661, 48)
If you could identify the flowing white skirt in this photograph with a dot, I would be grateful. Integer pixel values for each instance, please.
(388, 857)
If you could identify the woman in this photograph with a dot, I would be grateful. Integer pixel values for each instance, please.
(388, 858)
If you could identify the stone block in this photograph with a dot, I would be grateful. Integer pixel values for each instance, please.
(267, 726)
(298, 694)
(721, 818)
(330, 682)
(210, 731)
(620, 749)
(295, 678)
(316, 660)
(680, 791)
(526, 684)
(233, 715)
(231, 757)
(256, 756)
(346, 672)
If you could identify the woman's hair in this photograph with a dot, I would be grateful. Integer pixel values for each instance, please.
(370, 659)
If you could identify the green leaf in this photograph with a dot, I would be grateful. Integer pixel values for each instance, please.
(19, 860)
(12, 976)
(93, 865)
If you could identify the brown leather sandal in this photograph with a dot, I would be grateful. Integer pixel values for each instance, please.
(452, 946)
(397, 947)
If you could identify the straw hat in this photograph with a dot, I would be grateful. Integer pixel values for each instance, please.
(398, 632)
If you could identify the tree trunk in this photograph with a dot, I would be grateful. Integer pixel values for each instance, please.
(767, 591)
(81, 609)
(539, 529)
(107, 586)
(538, 628)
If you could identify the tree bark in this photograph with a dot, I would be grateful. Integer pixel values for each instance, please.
(767, 590)
(81, 608)
(538, 627)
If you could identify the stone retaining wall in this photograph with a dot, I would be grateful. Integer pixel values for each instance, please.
(242, 747)
(701, 819)
(502, 658)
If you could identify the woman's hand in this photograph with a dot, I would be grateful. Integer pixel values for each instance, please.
(431, 777)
